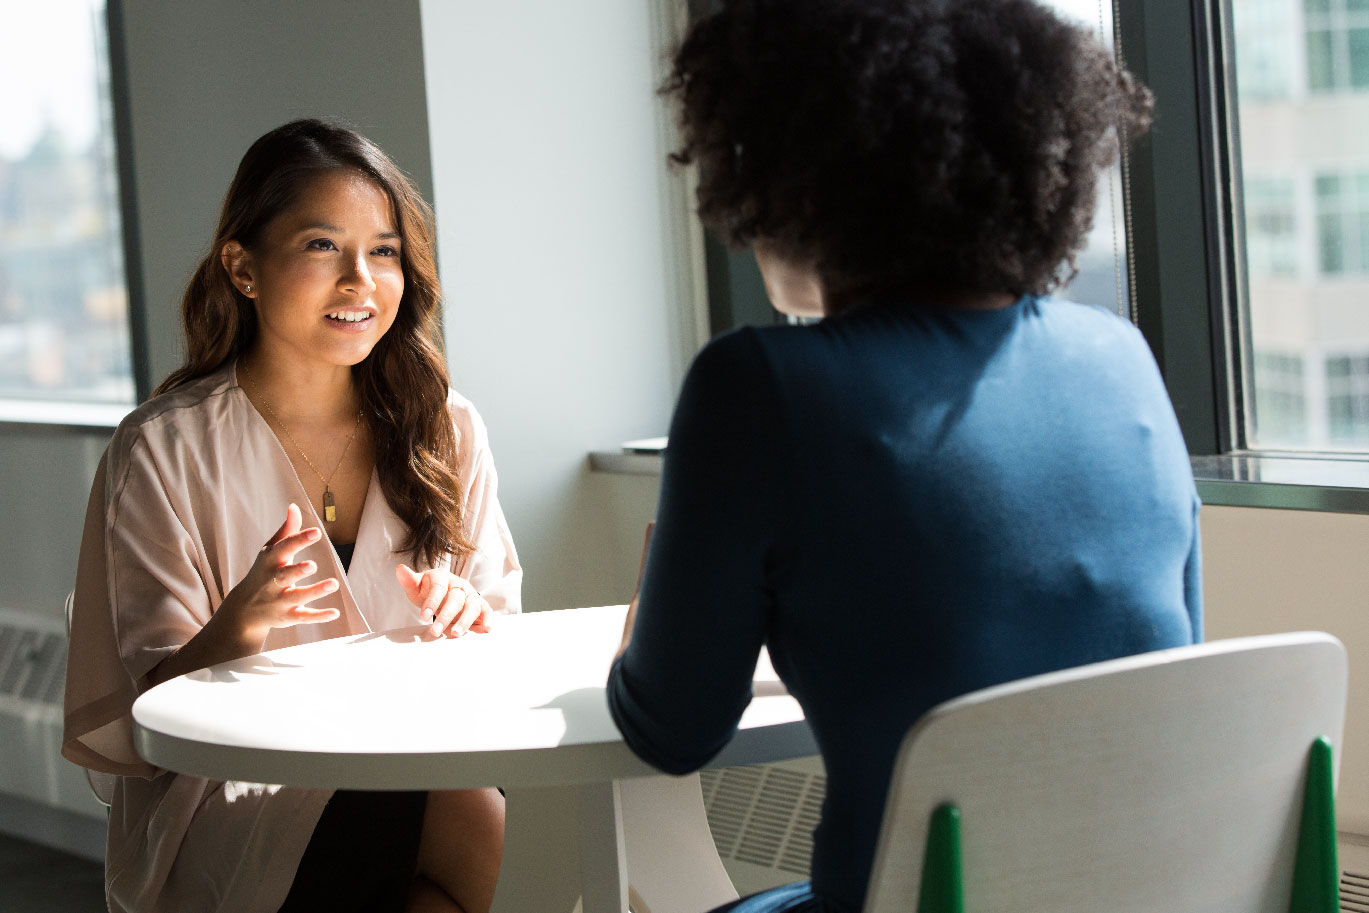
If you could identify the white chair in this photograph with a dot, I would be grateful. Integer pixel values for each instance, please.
(1171, 782)
(101, 784)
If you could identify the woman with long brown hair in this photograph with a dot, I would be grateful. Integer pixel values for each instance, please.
(306, 474)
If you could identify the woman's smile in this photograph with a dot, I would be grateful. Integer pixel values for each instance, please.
(350, 320)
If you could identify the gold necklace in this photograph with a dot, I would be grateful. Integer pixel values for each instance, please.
(329, 503)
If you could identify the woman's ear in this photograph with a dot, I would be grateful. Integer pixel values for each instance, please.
(237, 262)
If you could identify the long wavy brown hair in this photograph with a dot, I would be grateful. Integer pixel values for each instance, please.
(403, 381)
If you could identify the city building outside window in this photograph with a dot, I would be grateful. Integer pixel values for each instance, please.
(1337, 44)
(64, 333)
(1271, 226)
(1347, 399)
(1302, 93)
(1268, 65)
(1280, 397)
(1343, 223)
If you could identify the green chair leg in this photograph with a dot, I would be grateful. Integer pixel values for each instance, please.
(1316, 873)
(942, 890)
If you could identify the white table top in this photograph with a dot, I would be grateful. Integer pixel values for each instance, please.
(523, 706)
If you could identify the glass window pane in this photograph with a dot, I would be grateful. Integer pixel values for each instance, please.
(63, 303)
(1279, 398)
(1102, 277)
(1270, 219)
(1359, 57)
(1264, 64)
(1330, 244)
(1359, 260)
(1306, 225)
(1320, 66)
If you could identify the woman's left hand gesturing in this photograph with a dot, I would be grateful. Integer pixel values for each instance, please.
(455, 605)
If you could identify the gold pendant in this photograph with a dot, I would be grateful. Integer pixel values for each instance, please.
(329, 506)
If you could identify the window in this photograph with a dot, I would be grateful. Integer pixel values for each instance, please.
(1298, 165)
(64, 331)
(1280, 397)
(1271, 227)
(1102, 279)
(1337, 44)
(1347, 399)
(1266, 33)
(1343, 223)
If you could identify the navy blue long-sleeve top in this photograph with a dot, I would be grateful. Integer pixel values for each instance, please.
(905, 504)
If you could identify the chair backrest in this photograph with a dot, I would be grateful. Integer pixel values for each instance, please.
(101, 783)
(1169, 782)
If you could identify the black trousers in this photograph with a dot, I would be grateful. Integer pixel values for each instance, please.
(362, 856)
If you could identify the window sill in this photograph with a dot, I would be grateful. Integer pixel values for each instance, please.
(636, 458)
(1324, 482)
(629, 464)
(54, 416)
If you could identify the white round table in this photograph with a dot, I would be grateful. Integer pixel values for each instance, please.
(522, 708)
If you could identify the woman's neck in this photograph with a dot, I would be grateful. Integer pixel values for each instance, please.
(299, 394)
(966, 300)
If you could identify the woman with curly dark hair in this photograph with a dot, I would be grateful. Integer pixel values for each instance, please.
(274, 491)
(952, 480)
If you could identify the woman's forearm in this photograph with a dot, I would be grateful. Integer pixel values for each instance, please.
(222, 639)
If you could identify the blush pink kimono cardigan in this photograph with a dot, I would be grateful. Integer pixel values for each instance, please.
(193, 484)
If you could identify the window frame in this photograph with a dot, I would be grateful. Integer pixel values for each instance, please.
(138, 328)
(1190, 278)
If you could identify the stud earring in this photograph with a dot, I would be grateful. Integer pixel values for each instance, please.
(247, 289)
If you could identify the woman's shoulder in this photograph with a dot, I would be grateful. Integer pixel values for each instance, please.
(745, 352)
(470, 427)
(1075, 316)
(189, 410)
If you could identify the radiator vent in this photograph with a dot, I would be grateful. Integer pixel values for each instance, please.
(1354, 892)
(33, 664)
(764, 815)
(33, 660)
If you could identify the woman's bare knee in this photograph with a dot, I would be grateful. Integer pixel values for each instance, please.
(462, 845)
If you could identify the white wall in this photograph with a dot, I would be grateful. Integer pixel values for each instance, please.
(47, 474)
(1266, 571)
(564, 324)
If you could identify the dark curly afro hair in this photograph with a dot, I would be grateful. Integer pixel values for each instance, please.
(903, 145)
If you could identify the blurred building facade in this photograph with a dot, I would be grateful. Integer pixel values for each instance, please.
(1302, 71)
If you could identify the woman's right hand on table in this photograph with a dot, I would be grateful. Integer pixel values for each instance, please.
(267, 597)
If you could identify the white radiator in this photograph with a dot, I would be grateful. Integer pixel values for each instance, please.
(762, 819)
(33, 658)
